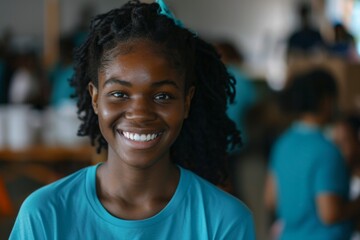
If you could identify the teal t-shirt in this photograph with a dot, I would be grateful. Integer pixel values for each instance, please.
(306, 164)
(61, 88)
(70, 209)
(245, 98)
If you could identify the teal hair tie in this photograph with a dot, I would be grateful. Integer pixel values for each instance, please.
(164, 10)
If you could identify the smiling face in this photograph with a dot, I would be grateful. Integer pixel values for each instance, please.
(141, 104)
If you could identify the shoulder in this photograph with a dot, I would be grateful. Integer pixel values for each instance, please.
(54, 193)
(228, 217)
(39, 210)
(216, 198)
(328, 149)
(285, 138)
(287, 134)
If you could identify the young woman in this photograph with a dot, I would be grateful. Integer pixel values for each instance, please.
(153, 95)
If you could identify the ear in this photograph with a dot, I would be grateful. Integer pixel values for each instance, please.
(189, 95)
(94, 96)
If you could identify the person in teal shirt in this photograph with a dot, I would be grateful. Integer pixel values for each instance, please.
(308, 182)
(245, 89)
(245, 98)
(144, 84)
(60, 75)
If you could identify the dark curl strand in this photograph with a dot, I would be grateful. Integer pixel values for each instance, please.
(207, 133)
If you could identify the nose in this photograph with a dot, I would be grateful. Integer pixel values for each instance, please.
(140, 110)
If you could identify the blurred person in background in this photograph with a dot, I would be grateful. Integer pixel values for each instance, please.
(61, 73)
(80, 31)
(306, 40)
(344, 44)
(6, 65)
(237, 111)
(26, 84)
(347, 137)
(308, 182)
(245, 96)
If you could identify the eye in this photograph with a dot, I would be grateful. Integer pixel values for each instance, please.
(162, 97)
(118, 94)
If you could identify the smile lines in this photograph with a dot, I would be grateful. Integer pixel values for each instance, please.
(140, 137)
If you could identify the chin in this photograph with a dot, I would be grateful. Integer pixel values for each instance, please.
(143, 160)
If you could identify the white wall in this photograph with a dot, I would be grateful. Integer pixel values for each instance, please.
(70, 10)
(25, 18)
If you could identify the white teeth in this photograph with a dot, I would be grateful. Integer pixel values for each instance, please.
(140, 137)
(137, 137)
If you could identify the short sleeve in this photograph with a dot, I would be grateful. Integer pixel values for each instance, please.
(272, 166)
(331, 175)
(28, 224)
(242, 230)
(236, 222)
(249, 229)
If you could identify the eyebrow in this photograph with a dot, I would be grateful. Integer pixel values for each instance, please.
(128, 84)
(117, 81)
(166, 82)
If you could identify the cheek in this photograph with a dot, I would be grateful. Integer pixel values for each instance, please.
(175, 117)
(107, 115)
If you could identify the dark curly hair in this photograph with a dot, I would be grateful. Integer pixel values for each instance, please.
(207, 133)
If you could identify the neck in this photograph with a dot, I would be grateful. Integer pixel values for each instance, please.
(132, 184)
(312, 119)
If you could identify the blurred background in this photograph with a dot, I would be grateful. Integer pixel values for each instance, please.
(261, 39)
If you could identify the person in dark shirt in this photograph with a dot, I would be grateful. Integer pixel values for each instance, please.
(307, 38)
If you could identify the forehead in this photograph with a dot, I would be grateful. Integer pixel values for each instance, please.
(138, 59)
(131, 46)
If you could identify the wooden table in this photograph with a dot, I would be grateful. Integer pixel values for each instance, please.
(41, 163)
(41, 153)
